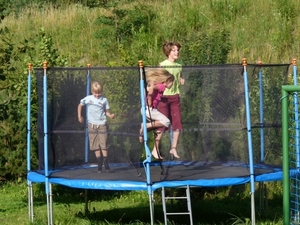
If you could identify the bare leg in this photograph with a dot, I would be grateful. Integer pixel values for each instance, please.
(173, 150)
(150, 126)
(154, 124)
(155, 151)
(98, 153)
(104, 152)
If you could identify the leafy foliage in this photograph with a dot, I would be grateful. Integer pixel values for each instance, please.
(207, 48)
(120, 28)
(13, 98)
(200, 102)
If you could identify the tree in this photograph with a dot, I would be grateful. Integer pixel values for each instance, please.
(13, 97)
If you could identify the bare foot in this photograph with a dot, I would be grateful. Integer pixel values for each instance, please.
(156, 155)
(174, 153)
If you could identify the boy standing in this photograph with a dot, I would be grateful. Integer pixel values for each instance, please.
(98, 109)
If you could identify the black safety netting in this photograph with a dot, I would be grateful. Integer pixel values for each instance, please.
(67, 137)
(214, 134)
(265, 83)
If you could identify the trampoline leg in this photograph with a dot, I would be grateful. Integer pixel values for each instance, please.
(253, 219)
(51, 203)
(30, 202)
(86, 208)
(151, 202)
(163, 199)
(263, 197)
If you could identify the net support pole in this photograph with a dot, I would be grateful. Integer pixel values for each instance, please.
(86, 143)
(45, 121)
(262, 188)
(261, 114)
(88, 86)
(249, 134)
(29, 183)
(147, 161)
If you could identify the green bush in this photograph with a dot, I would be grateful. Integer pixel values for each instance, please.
(14, 99)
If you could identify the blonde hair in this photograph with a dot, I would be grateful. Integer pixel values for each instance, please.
(96, 87)
(158, 75)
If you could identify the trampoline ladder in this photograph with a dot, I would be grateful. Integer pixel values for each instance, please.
(188, 200)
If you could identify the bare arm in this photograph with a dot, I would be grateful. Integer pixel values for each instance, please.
(149, 99)
(181, 79)
(109, 114)
(79, 109)
(150, 88)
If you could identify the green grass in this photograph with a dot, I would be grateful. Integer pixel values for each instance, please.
(229, 205)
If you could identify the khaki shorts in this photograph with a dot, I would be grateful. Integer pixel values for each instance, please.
(154, 114)
(97, 136)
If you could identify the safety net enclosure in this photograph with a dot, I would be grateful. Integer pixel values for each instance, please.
(215, 148)
(69, 156)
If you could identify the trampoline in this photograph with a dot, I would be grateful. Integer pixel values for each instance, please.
(181, 174)
(232, 131)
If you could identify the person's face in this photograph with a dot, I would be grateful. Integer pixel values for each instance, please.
(96, 94)
(174, 53)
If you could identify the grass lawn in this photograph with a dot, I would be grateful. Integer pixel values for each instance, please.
(229, 205)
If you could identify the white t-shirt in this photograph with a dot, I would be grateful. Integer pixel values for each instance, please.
(96, 109)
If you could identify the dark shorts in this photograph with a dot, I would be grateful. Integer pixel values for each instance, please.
(97, 136)
(170, 106)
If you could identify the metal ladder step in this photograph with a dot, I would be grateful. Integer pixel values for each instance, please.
(187, 198)
(176, 197)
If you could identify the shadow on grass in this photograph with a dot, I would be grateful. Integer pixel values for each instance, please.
(209, 205)
(140, 213)
(205, 211)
